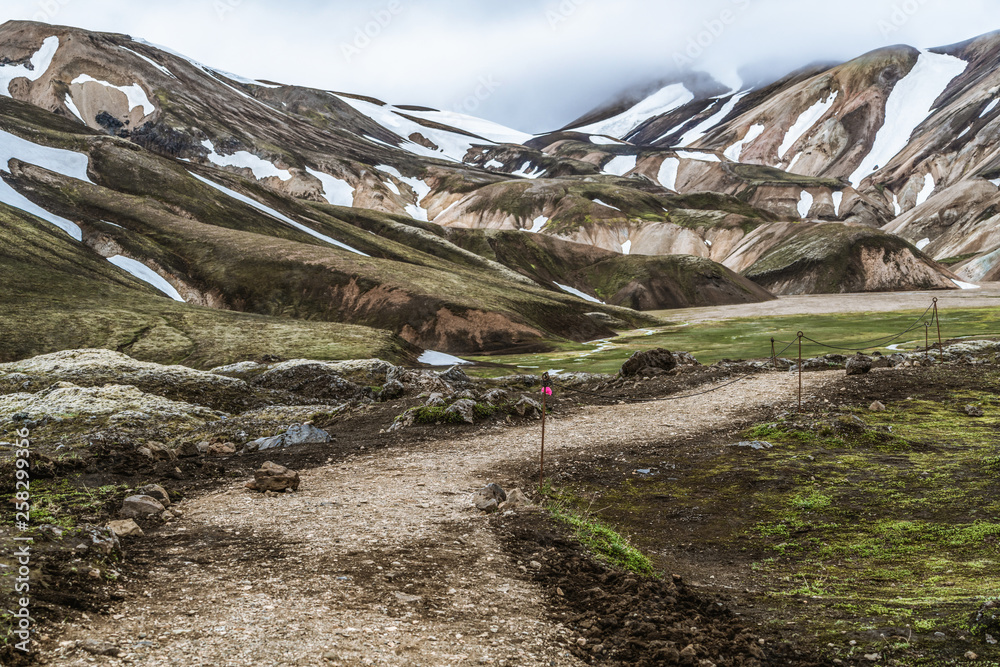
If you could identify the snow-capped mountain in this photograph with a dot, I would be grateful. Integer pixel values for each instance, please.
(456, 233)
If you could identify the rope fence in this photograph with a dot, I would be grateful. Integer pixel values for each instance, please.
(928, 319)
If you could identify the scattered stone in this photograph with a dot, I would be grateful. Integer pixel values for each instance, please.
(873, 657)
(97, 647)
(455, 375)
(973, 410)
(405, 598)
(649, 362)
(156, 491)
(139, 506)
(125, 528)
(166, 516)
(463, 408)
(514, 499)
(986, 619)
(273, 477)
(877, 406)
(753, 444)
(188, 450)
(859, 364)
(528, 407)
(496, 397)
(221, 449)
(435, 400)
(879, 360)
(488, 498)
(535, 565)
(102, 540)
(467, 393)
(160, 452)
(391, 391)
(969, 655)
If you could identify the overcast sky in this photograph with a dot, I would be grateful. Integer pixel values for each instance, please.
(531, 64)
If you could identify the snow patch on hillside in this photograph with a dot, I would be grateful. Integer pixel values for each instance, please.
(927, 190)
(534, 173)
(805, 204)
(537, 224)
(698, 131)
(40, 62)
(72, 107)
(838, 197)
(805, 122)
(494, 132)
(261, 168)
(494, 164)
(620, 165)
(67, 163)
(605, 141)
(275, 214)
(627, 247)
(150, 61)
(734, 151)
(136, 95)
(959, 283)
(668, 173)
(432, 358)
(909, 104)
(990, 107)
(663, 101)
(576, 292)
(335, 190)
(598, 201)
(419, 188)
(146, 275)
(923, 243)
(703, 157)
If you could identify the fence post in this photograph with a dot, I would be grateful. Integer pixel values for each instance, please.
(800, 334)
(927, 341)
(546, 388)
(938, 320)
(774, 358)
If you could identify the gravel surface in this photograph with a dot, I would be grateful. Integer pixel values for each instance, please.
(377, 560)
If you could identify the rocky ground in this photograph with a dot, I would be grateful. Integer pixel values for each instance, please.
(379, 556)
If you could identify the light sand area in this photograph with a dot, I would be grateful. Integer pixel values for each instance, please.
(822, 304)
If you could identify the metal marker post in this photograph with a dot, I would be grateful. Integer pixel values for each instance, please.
(938, 320)
(927, 341)
(774, 358)
(800, 371)
(546, 390)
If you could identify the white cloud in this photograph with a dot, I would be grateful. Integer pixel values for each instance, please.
(436, 53)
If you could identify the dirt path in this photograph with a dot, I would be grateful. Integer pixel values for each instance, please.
(822, 304)
(379, 559)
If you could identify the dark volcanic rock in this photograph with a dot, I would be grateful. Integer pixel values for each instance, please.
(649, 362)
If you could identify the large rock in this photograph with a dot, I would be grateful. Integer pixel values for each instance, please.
(649, 362)
(391, 391)
(464, 408)
(312, 379)
(139, 506)
(306, 434)
(303, 434)
(528, 407)
(859, 364)
(155, 491)
(125, 528)
(160, 452)
(455, 375)
(488, 498)
(496, 397)
(274, 477)
(514, 499)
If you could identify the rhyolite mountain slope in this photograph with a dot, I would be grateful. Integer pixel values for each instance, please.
(455, 233)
